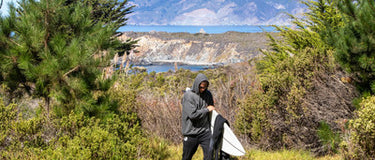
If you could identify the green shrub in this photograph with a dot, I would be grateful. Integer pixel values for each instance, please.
(278, 101)
(117, 136)
(7, 117)
(21, 136)
(125, 96)
(330, 139)
(252, 119)
(75, 136)
(277, 112)
(361, 144)
(29, 132)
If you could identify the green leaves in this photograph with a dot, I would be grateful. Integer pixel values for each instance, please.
(275, 112)
(58, 51)
(362, 139)
(330, 139)
(7, 116)
(354, 41)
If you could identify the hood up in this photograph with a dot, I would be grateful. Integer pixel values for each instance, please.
(198, 80)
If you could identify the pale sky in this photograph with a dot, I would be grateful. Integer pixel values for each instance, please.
(4, 7)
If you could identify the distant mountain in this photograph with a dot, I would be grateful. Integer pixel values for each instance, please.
(213, 12)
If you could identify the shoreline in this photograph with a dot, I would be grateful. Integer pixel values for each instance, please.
(179, 63)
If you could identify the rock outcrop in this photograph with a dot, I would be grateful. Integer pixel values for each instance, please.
(195, 49)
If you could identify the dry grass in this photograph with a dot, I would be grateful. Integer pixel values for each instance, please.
(161, 116)
(254, 154)
(160, 106)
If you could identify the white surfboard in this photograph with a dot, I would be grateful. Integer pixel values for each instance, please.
(231, 144)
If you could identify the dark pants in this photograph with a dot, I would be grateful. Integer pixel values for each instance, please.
(190, 145)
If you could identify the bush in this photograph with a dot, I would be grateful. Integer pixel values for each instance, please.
(361, 144)
(252, 119)
(273, 113)
(21, 136)
(297, 81)
(7, 117)
(114, 136)
(330, 139)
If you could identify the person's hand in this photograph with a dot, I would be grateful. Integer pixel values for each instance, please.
(210, 108)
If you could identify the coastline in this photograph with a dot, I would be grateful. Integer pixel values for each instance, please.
(181, 62)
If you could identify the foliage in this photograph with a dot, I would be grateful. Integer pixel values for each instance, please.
(294, 58)
(76, 135)
(330, 139)
(107, 11)
(113, 12)
(354, 42)
(253, 116)
(158, 96)
(57, 52)
(271, 112)
(111, 139)
(7, 116)
(361, 143)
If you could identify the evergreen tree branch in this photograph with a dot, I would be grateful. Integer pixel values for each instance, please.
(72, 70)
(46, 27)
(11, 40)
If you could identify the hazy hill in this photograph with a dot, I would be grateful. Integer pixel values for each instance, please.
(213, 12)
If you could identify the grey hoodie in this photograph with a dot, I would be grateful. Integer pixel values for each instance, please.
(195, 115)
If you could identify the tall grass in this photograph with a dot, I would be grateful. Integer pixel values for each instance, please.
(287, 155)
(255, 154)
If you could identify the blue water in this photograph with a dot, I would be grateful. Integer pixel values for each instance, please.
(196, 29)
(166, 67)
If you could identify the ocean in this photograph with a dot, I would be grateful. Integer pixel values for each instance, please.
(166, 67)
(196, 29)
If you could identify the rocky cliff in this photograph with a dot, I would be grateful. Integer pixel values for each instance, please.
(197, 49)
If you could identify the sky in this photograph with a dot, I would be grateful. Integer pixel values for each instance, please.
(206, 16)
(4, 8)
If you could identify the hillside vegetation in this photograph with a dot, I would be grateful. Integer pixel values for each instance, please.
(310, 94)
(305, 100)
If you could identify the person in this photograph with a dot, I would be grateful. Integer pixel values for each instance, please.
(197, 103)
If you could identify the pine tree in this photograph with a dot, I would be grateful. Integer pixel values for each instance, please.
(355, 42)
(57, 52)
(110, 12)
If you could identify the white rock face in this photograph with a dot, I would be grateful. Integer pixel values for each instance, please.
(153, 49)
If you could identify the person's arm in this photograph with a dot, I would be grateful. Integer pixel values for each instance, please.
(191, 110)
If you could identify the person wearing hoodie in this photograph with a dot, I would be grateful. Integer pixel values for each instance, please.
(196, 105)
